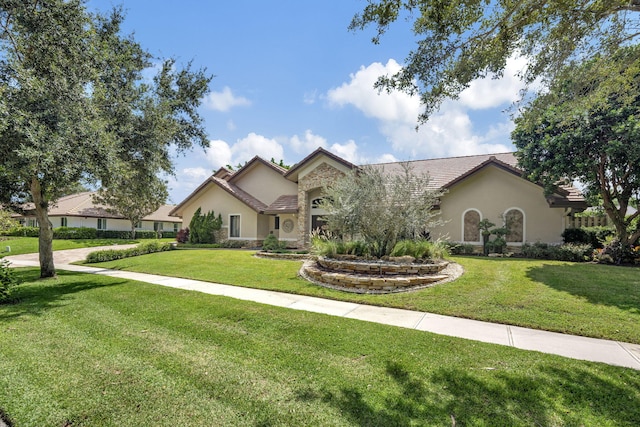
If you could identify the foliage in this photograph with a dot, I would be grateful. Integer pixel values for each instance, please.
(594, 236)
(463, 40)
(271, 243)
(420, 249)
(119, 234)
(499, 243)
(7, 281)
(6, 222)
(203, 227)
(455, 248)
(82, 110)
(573, 252)
(23, 232)
(380, 207)
(588, 129)
(141, 249)
(75, 233)
(183, 235)
(326, 245)
(234, 244)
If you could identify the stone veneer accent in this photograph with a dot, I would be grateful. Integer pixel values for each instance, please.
(375, 277)
(318, 178)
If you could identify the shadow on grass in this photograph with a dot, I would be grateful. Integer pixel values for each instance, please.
(35, 296)
(599, 284)
(450, 396)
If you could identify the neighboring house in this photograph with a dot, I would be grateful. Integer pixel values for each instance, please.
(80, 210)
(262, 198)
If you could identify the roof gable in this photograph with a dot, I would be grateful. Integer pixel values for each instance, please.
(293, 173)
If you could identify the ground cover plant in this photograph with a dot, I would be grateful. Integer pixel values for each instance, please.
(594, 300)
(87, 350)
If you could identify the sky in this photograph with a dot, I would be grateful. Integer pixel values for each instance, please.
(290, 77)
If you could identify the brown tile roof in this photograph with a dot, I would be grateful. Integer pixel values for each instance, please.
(83, 204)
(240, 194)
(446, 172)
(283, 204)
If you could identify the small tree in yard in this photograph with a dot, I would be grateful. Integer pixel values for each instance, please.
(380, 208)
(202, 227)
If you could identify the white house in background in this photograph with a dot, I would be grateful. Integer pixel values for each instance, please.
(81, 210)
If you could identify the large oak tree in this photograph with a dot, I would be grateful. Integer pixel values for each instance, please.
(587, 128)
(73, 100)
(459, 41)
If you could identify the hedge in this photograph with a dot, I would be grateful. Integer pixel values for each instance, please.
(88, 233)
(141, 249)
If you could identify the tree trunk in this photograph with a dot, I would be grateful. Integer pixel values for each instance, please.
(133, 230)
(45, 236)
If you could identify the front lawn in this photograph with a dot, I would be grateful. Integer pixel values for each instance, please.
(88, 350)
(582, 299)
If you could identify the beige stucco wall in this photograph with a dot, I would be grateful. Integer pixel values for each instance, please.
(265, 184)
(214, 198)
(281, 234)
(492, 191)
(112, 223)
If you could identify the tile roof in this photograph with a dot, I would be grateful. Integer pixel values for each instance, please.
(83, 204)
(283, 204)
(446, 172)
(240, 194)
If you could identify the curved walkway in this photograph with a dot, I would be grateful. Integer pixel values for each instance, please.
(575, 347)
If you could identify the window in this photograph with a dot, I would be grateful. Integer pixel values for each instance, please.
(102, 223)
(514, 222)
(277, 224)
(470, 230)
(63, 222)
(175, 227)
(138, 224)
(157, 226)
(33, 223)
(234, 225)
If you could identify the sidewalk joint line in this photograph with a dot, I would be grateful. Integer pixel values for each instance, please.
(633, 356)
(419, 321)
(510, 336)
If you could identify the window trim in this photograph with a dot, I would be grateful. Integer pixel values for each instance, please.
(524, 225)
(102, 224)
(478, 242)
(63, 221)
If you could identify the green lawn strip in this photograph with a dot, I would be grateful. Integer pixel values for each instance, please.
(28, 245)
(88, 350)
(583, 299)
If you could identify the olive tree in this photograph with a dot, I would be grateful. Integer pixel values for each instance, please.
(381, 207)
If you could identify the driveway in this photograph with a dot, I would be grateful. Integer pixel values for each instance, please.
(66, 256)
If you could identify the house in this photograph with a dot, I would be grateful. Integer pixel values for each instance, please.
(262, 198)
(80, 210)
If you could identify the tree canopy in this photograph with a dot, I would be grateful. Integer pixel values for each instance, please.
(380, 207)
(76, 106)
(462, 40)
(587, 128)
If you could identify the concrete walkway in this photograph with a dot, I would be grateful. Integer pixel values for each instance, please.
(575, 347)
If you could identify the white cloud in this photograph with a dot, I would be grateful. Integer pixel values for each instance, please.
(449, 132)
(491, 92)
(185, 181)
(348, 151)
(307, 143)
(310, 97)
(225, 100)
(220, 153)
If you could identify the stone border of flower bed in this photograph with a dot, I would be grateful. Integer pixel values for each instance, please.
(374, 283)
(285, 256)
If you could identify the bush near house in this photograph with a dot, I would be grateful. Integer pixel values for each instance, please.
(88, 233)
(565, 252)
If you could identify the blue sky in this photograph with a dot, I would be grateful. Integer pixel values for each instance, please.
(290, 77)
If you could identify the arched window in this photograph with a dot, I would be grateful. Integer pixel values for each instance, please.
(514, 222)
(470, 221)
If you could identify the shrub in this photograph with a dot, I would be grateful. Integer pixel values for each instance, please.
(565, 252)
(203, 226)
(24, 232)
(141, 249)
(183, 235)
(594, 236)
(234, 244)
(271, 243)
(74, 233)
(7, 281)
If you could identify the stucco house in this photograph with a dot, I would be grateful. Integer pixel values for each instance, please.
(262, 198)
(81, 210)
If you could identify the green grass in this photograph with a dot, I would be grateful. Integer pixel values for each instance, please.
(28, 245)
(86, 350)
(582, 299)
